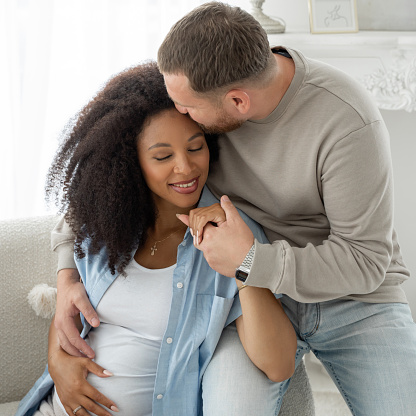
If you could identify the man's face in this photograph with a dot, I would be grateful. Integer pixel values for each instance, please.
(212, 117)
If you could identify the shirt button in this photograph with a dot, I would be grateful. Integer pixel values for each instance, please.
(159, 396)
(179, 285)
(169, 340)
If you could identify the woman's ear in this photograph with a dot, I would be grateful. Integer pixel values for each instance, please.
(239, 100)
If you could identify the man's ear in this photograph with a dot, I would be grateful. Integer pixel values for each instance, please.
(239, 100)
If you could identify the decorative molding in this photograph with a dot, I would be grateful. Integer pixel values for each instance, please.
(395, 88)
(391, 78)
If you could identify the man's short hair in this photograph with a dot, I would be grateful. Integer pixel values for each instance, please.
(214, 46)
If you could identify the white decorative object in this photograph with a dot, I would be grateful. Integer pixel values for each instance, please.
(270, 25)
(333, 16)
(395, 88)
(42, 299)
(384, 62)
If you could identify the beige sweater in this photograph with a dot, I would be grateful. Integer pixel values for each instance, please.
(317, 175)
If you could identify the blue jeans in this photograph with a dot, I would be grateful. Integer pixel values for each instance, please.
(369, 350)
(232, 385)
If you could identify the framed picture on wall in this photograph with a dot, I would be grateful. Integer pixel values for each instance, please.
(333, 16)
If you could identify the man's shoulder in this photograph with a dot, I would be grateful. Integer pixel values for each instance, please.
(333, 87)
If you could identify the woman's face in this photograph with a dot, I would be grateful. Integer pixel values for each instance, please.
(174, 159)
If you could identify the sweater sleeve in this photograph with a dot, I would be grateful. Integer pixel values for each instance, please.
(62, 242)
(355, 184)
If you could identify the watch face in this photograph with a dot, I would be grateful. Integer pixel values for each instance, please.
(240, 275)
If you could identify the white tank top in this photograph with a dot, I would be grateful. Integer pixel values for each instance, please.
(134, 313)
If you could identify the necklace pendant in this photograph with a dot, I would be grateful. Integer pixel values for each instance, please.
(153, 249)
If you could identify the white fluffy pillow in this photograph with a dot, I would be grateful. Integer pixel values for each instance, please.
(42, 299)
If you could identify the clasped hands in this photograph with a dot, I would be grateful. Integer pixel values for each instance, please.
(224, 244)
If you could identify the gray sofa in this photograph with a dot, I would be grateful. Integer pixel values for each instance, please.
(26, 261)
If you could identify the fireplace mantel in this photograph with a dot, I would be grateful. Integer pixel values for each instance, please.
(384, 62)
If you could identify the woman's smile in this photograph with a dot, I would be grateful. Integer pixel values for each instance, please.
(186, 187)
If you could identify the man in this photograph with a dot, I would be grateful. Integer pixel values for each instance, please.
(305, 153)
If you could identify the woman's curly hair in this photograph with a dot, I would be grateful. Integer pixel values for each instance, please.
(95, 178)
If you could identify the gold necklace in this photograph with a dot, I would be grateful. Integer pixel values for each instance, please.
(153, 249)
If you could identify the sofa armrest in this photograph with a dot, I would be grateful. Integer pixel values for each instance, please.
(26, 260)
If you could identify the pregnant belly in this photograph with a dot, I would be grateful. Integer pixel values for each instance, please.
(133, 361)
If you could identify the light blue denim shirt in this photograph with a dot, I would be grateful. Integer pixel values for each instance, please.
(203, 303)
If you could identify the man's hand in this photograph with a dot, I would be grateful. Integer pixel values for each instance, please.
(226, 245)
(71, 300)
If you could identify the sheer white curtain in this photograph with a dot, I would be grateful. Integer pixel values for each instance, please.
(54, 55)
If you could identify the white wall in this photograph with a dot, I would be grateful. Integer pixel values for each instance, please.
(294, 12)
(402, 128)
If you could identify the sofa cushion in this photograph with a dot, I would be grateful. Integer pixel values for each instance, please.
(26, 260)
(8, 409)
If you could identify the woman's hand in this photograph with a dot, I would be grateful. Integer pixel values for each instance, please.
(69, 375)
(198, 218)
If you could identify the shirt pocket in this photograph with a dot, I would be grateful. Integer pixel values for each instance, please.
(211, 315)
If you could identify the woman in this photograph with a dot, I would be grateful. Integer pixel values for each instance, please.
(127, 167)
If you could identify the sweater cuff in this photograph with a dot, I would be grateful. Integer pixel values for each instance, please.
(269, 265)
(65, 253)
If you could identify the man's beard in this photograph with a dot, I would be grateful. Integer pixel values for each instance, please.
(224, 124)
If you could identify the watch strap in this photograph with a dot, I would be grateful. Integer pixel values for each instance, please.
(248, 260)
(243, 271)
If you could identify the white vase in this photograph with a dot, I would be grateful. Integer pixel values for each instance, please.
(269, 25)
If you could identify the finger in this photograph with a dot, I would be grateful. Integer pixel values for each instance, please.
(69, 410)
(98, 399)
(199, 218)
(198, 223)
(93, 400)
(73, 339)
(67, 346)
(230, 210)
(87, 406)
(84, 306)
(80, 412)
(99, 371)
(90, 399)
(207, 230)
(91, 407)
(184, 218)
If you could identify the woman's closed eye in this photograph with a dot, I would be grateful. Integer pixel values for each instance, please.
(161, 158)
(198, 149)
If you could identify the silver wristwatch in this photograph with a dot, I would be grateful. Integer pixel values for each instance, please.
(244, 270)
